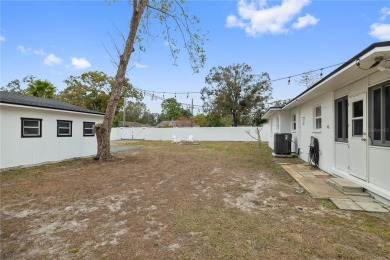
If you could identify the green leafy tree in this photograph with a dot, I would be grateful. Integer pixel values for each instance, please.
(175, 21)
(41, 88)
(35, 87)
(258, 117)
(91, 90)
(201, 120)
(235, 91)
(138, 112)
(309, 78)
(14, 87)
(172, 110)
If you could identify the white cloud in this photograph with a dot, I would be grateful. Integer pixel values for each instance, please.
(39, 52)
(386, 12)
(380, 31)
(257, 18)
(140, 66)
(2, 38)
(23, 49)
(304, 21)
(80, 63)
(52, 59)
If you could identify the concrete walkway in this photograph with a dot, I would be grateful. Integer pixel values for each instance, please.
(343, 193)
(121, 148)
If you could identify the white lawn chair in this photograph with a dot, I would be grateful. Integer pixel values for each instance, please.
(175, 139)
(190, 138)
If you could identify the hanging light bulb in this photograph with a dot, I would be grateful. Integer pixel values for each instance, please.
(175, 95)
(289, 80)
(164, 95)
(187, 95)
(321, 74)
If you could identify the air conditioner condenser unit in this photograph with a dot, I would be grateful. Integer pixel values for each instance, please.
(282, 143)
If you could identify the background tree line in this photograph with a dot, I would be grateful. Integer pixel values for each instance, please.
(233, 96)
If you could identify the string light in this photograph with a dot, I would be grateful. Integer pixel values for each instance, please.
(155, 97)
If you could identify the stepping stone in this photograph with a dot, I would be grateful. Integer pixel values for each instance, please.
(346, 186)
(361, 198)
(371, 206)
(346, 204)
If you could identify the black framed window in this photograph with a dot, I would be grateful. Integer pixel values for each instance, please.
(379, 111)
(31, 127)
(341, 119)
(64, 128)
(88, 128)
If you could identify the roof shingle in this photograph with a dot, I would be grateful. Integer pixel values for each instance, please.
(31, 101)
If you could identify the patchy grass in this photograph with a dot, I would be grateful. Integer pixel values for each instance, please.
(215, 200)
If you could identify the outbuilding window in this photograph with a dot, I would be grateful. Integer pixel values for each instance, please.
(379, 111)
(64, 128)
(317, 118)
(89, 129)
(341, 119)
(31, 127)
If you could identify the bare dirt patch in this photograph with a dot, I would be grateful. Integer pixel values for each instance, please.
(211, 201)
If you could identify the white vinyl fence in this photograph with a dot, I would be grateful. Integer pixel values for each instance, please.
(198, 133)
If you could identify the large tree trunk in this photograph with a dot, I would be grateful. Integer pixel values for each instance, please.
(103, 130)
(235, 119)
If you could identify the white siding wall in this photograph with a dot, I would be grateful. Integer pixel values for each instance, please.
(379, 166)
(17, 151)
(199, 133)
(285, 121)
(325, 136)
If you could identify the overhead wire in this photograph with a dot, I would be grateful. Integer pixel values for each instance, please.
(154, 96)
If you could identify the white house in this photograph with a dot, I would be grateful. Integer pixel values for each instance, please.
(35, 130)
(348, 111)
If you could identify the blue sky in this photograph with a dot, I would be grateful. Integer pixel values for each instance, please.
(55, 39)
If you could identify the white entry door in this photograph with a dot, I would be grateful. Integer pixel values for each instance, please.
(358, 136)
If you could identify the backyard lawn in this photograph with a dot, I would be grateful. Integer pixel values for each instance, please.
(215, 200)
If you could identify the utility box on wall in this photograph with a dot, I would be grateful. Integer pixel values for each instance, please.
(282, 143)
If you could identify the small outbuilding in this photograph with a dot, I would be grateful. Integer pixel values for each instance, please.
(36, 130)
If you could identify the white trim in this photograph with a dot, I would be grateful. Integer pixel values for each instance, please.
(48, 109)
(315, 117)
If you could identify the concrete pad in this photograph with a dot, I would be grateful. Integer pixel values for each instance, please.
(361, 198)
(319, 189)
(346, 204)
(346, 184)
(371, 206)
(121, 148)
(316, 187)
(283, 155)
